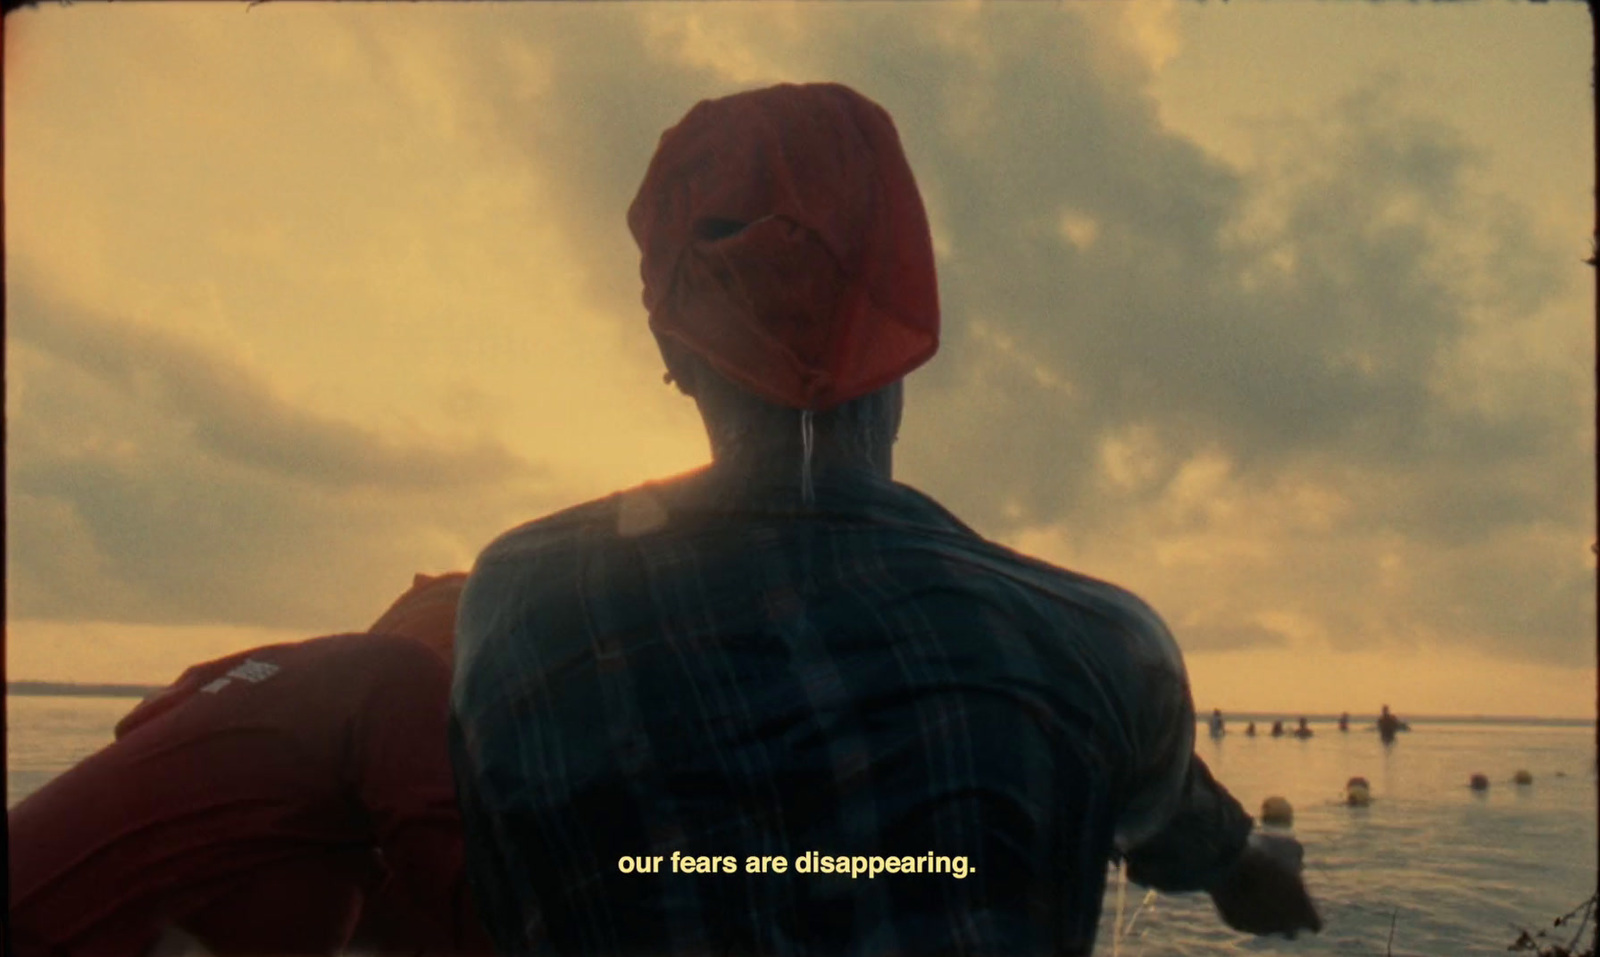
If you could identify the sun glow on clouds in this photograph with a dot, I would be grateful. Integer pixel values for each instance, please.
(737, 47)
(453, 281)
(1151, 29)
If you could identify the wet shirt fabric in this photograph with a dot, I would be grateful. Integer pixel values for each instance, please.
(266, 802)
(705, 667)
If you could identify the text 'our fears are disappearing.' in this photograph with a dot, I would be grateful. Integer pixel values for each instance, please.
(811, 862)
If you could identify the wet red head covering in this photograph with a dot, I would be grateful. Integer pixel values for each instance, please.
(784, 241)
(427, 612)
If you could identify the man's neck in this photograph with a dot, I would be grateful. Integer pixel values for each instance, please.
(767, 455)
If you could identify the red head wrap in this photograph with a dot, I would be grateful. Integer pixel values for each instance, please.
(783, 240)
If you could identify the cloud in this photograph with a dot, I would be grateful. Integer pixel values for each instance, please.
(232, 414)
(1325, 336)
(1125, 309)
(152, 481)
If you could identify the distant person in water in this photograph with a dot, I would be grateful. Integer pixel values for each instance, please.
(1304, 731)
(1277, 729)
(290, 799)
(1344, 721)
(1250, 730)
(1388, 725)
(1218, 727)
(788, 651)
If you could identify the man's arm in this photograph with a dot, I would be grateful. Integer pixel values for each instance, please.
(1205, 832)
(1183, 831)
(1208, 844)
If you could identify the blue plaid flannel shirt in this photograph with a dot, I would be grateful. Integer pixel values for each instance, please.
(706, 666)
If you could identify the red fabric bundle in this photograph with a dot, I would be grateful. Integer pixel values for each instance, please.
(784, 241)
(426, 612)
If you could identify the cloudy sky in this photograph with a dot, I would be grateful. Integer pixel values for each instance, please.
(1275, 314)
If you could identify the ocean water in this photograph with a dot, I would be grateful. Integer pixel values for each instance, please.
(46, 735)
(1444, 869)
(1453, 871)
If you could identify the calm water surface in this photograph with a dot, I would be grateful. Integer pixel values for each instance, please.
(47, 735)
(1456, 871)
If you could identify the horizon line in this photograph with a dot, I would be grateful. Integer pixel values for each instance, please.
(114, 689)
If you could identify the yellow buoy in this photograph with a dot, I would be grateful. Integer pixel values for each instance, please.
(1277, 810)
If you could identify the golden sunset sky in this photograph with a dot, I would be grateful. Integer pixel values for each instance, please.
(1273, 313)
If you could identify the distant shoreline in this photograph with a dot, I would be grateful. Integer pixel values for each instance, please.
(1235, 719)
(67, 689)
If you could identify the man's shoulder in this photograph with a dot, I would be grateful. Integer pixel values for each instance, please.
(629, 513)
(555, 529)
(1107, 623)
(1112, 604)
